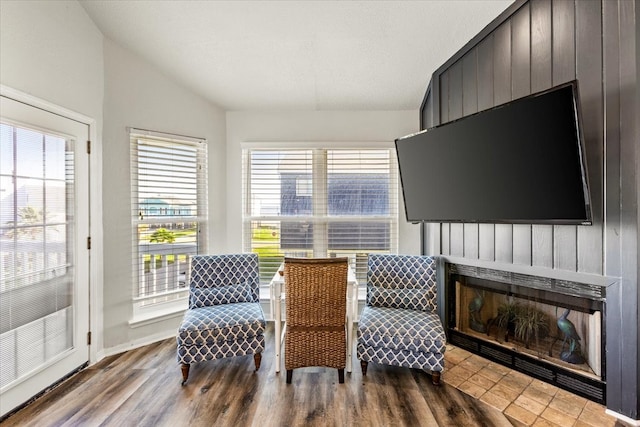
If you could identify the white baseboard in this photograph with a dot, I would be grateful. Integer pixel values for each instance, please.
(136, 343)
(623, 418)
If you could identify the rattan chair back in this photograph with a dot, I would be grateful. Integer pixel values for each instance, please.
(316, 292)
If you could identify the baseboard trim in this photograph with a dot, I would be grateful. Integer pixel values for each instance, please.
(137, 343)
(623, 418)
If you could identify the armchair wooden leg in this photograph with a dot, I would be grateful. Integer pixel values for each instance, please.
(435, 378)
(341, 376)
(257, 358)
(363, 365)
(289, 375)
(185, 372)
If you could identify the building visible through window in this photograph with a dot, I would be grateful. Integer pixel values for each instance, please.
(169, 212)
(320, 202)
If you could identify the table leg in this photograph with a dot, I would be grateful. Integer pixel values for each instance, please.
(278, 325)
(350, 316)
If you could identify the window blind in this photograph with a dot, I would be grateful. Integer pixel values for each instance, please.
(320, 202)
(37, 247)
(169, 212)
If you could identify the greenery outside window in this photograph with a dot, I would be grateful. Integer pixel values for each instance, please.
(319, 202)
(169, 213)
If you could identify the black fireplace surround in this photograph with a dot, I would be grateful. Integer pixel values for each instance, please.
(567, 348)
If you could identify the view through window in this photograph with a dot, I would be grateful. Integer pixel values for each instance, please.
(36, 249)
(320, 202)
(169, 212)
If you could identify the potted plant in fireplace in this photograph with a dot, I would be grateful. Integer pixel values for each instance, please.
(530, 323)
(505, 319)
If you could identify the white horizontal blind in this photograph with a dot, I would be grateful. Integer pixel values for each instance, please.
(36, 249)
(169, 212)
(320, 202)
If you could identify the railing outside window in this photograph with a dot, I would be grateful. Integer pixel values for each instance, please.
(169, 212)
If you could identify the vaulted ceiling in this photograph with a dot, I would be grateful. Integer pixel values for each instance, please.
(297, 55)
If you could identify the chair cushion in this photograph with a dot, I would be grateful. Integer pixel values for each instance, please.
(400, 329)
(208, 271)
(219, 323)
(412, 299)
(203, 297)
(404, 272)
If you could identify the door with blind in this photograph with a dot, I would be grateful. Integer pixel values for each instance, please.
(44, 268)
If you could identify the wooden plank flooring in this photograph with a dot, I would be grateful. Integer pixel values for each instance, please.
(142, 388)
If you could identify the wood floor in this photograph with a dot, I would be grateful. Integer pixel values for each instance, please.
(142, 388)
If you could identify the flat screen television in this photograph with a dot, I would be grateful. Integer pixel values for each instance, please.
(520, 162)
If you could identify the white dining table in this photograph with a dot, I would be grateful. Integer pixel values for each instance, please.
(277, 297)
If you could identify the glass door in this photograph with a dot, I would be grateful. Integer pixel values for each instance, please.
(44, 268)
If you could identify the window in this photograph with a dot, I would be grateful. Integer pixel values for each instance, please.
(169, 176)
(36, 179)
(320, 202)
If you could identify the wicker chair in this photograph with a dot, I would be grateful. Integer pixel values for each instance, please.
(316, 290)
(399, 325)
(224, 318)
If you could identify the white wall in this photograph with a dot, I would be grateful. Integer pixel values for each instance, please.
(53, 51)
(138, 95)
(333, 127)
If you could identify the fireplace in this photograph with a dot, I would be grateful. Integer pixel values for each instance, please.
(547, 328)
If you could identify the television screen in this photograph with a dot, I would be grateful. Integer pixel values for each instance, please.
(521, 162)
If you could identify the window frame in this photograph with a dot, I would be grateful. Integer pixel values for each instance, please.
(165, 304)
(320, 168)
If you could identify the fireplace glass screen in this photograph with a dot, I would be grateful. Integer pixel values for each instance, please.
(551, 330)
(564, 336)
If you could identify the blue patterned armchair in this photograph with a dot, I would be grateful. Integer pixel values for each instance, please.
(399, 325)
(224, 318)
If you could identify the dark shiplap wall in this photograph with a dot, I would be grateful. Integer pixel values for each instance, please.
(535, 45)
(541, 45)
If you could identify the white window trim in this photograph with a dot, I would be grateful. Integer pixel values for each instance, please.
(313, 145)
(145, 315)
(307, 145)
(177, 303)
